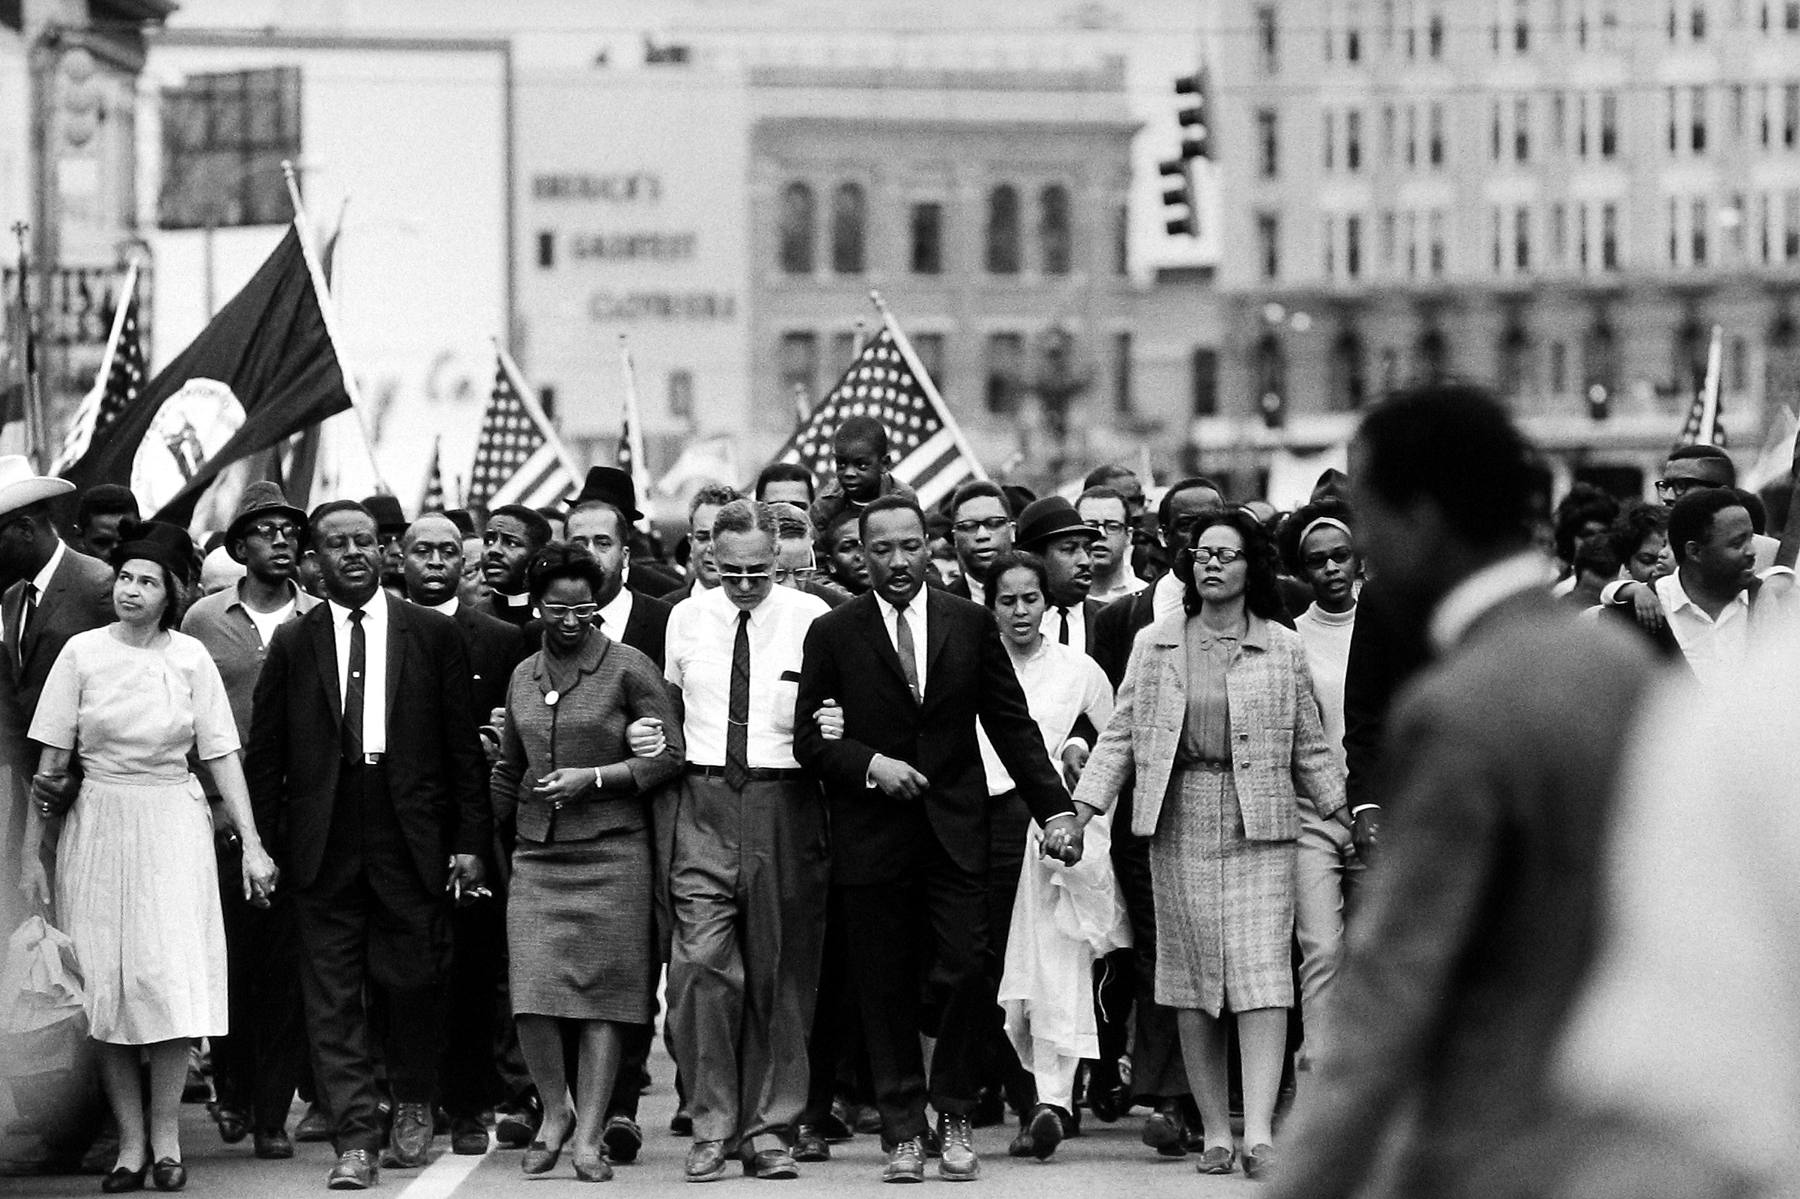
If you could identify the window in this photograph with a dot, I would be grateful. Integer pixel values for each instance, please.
(546, 249)
(1437, 135)
(224, 138)
(1763, 107)
(1438, 263)
(1559, 368)
(797, 229)
(927, 226)
(1121, 364)
(1497, 237)
(1739, 103)
(1674, 231)
(1609, 237)
(843, 353)
(1329, 229)
(1005, 371)
(1054, 234)
(1697, 120)
(1347, 369)
(1003, 230)
(1353, 140)
(1581, 237)
(1330, 139)
(1412, 243)
(1522, 130)
(681, 394)
(1390, 369)
(1390, 230)
(1434, 35)
(1268, 244)
(1790, 226)
(1674, 120)
(1790, 114)
(1495, 137)
(1412, 137)
(1737, 375)
(799, 364)
(1204, 381)
(847, 215)
(1522, 239)
(1268, 368)
(1581, 127)
(1353, 247)
(1521, 26)
(1515, 359)
(1600, 360)
(1697, 22)
(1122, 240)
(1559, 234)
(1558, 118)
(1353, 36)
(1734, 219)
(1267, 135)
(1267, 38)
(1697, 233)
(1609, 124)
(1432, 354)
(1388, 125)
(1766, 218)
(930, 349)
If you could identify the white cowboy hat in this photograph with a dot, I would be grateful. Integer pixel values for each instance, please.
(21, 487)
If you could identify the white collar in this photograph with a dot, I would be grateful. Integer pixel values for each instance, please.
(617, 614)
(1470, 599)
(759, 614)
(42, 581)
(522, 600)
(375, 610)
(889, 611)
(1675, 596)
(448, 607)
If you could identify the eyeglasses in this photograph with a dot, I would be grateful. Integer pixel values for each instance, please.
(1318, 559)
(751, 577)
(1674, 489)
(269, 530)
(992, 524)
(1109, 528)
(557, 613)
(791, 574)
(1224, 555)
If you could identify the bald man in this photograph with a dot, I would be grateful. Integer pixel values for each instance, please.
(480, 1044)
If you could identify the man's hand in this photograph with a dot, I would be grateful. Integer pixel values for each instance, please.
(830, 719)
(1644, 605)
(53, 793)
(1063, 838)
(260, 876)
(465, 878)
(646, 737)
(1074, 761)
(565, 784)
(896, 779)
(1365, 833)
(33, 881)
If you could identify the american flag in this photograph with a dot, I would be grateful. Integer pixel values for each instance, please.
(1705, 419)
(519, 459)
(927, 448)
(121, 377)
(433, 499)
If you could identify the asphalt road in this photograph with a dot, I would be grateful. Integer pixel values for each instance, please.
(1105, 1160)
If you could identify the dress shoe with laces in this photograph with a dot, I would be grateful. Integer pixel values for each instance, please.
(681, 1124)
(622, 1138)
(234, 1125)
(1218, 1160)
(122, 1180)
(771, 1164)
(1166, 1129)
(468, 1136)
(168, 1174)
(315, 1125)
(355, 1171)
(1259, 1160)
(706, 1161)
(409, 1141)
(809, 1145)
(906, 1162)
(273, 1144)
(1046, 1129)
(956, 1136)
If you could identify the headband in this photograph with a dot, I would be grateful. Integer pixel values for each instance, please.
(1329, 522)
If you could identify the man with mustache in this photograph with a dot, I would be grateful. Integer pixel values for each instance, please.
(514, 533)
(1055, 532)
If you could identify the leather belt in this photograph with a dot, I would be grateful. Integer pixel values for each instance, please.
(756, 774)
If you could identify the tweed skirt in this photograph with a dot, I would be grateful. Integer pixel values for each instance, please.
(1224, 903)
(578, 931)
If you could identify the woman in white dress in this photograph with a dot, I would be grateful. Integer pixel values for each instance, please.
(136, 879)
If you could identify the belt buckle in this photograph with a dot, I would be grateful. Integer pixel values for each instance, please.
(372, 759)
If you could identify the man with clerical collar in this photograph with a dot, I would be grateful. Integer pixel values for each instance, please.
(514, 533)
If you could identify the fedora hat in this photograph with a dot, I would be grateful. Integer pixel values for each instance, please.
(1050, 517)
(21, 487)
(610, 485)
(389, 516)
(261, 498)
(160, 542)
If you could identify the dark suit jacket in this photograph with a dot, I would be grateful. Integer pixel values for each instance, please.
(1387, 648)
(968, 676)
(516, 615)
(435, 767)
(79, 598)
(652, 578)
(1482, 916)
(1115, 627)
(495, 648)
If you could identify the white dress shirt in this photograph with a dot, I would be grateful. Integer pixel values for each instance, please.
(1061, 684)
(915, 621)
(1129, 584)
(375, 635)
(1716, 649)
(1052, 626)
(697, 650)
(448, 607)
(616, 615)
(41, 584)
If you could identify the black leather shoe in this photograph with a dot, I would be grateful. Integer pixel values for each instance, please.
(834, 1125)
(990, 1110)
(272, 1144)
(1259, 1160)
(1022, 1145)
(1166, 1130)
(623, 1138)
(234, 1125)
(809, 1145)
(168, 1174)
(929, 1140)
(468, 1136)
(409, 1142)
(355, 1171)
(516, 1127)
(957, 1138)
(865, 1118)
(706, 1161)
(771, 1164)
(905, 1163)
(315, 1125)
(681, 1124)
(1105, 1101)
(122, 1180)
(1046, 1129)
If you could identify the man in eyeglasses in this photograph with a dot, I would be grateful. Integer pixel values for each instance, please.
(1105, 510)
(796, 557)
(1694, 467)
(981, 525)
(747, 871)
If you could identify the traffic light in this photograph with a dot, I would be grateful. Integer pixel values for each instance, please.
(1196, 116)
(1274, 408)
(1179, 196)
(1599, 403)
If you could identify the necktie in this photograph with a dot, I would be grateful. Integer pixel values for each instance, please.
(353, 690)
(909, 663)
(25, 614)
(1063, 635)
(737, 727)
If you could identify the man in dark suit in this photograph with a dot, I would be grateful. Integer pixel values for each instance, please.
(981, 528)
(1503, 755)
(514, 533)
(1055, 532)
(365, 773)
(908, 802)
(481, 1042)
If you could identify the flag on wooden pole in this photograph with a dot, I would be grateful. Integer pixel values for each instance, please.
(1703, 426)
(519, 459)
(631, 436)
(116, 384)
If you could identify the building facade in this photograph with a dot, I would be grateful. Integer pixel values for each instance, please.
(1557, 198)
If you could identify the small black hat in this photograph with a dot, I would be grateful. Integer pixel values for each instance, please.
(389, 517)
(463, 519)
(1049, 517)
(261, 498)
(610, 485)
(157, 541)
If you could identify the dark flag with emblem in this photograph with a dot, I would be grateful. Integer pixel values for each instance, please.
(519, 458)
(887, 382)
(120, 378)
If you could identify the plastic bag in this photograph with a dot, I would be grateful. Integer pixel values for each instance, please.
(40, 983)
(51, 1106)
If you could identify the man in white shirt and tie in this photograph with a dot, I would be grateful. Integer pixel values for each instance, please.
(748, 870)
(1052, 529)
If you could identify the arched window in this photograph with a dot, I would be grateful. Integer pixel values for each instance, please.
(1003, 230)
(797, 229)
(1055, 237)
(1351, 380)
(1690, 349)
(1600, 361)
(1433, 355)
(1268, 368)
(847, 215)
(1515, 359)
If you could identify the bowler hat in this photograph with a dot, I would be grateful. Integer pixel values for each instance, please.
(1050, 517)
(260, 499)
(463, 519)
(157, 541)
(389, 517)
(610, 485)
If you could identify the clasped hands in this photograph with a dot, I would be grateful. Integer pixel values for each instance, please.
(904, 781)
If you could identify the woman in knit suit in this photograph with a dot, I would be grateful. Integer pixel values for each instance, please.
(1217, 715)
(578, 917)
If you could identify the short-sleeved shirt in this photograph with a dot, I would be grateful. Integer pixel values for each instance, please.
(130, 714)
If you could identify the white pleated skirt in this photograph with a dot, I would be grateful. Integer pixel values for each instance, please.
(137, 891)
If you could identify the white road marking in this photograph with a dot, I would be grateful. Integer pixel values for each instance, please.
(443, 1176)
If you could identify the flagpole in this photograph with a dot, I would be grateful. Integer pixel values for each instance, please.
(328, 313)
(127, 290)
(33, 394)
(79, 434)
(529, 399)
(1709, 395)
(925, 383)
(634, 432)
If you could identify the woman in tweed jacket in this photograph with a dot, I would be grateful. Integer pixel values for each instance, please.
(1217, 716)
(578, 918)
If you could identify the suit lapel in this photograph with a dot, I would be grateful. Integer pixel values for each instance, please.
(937, 632)
(876, 630)
(399, 629)
(324, 646)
